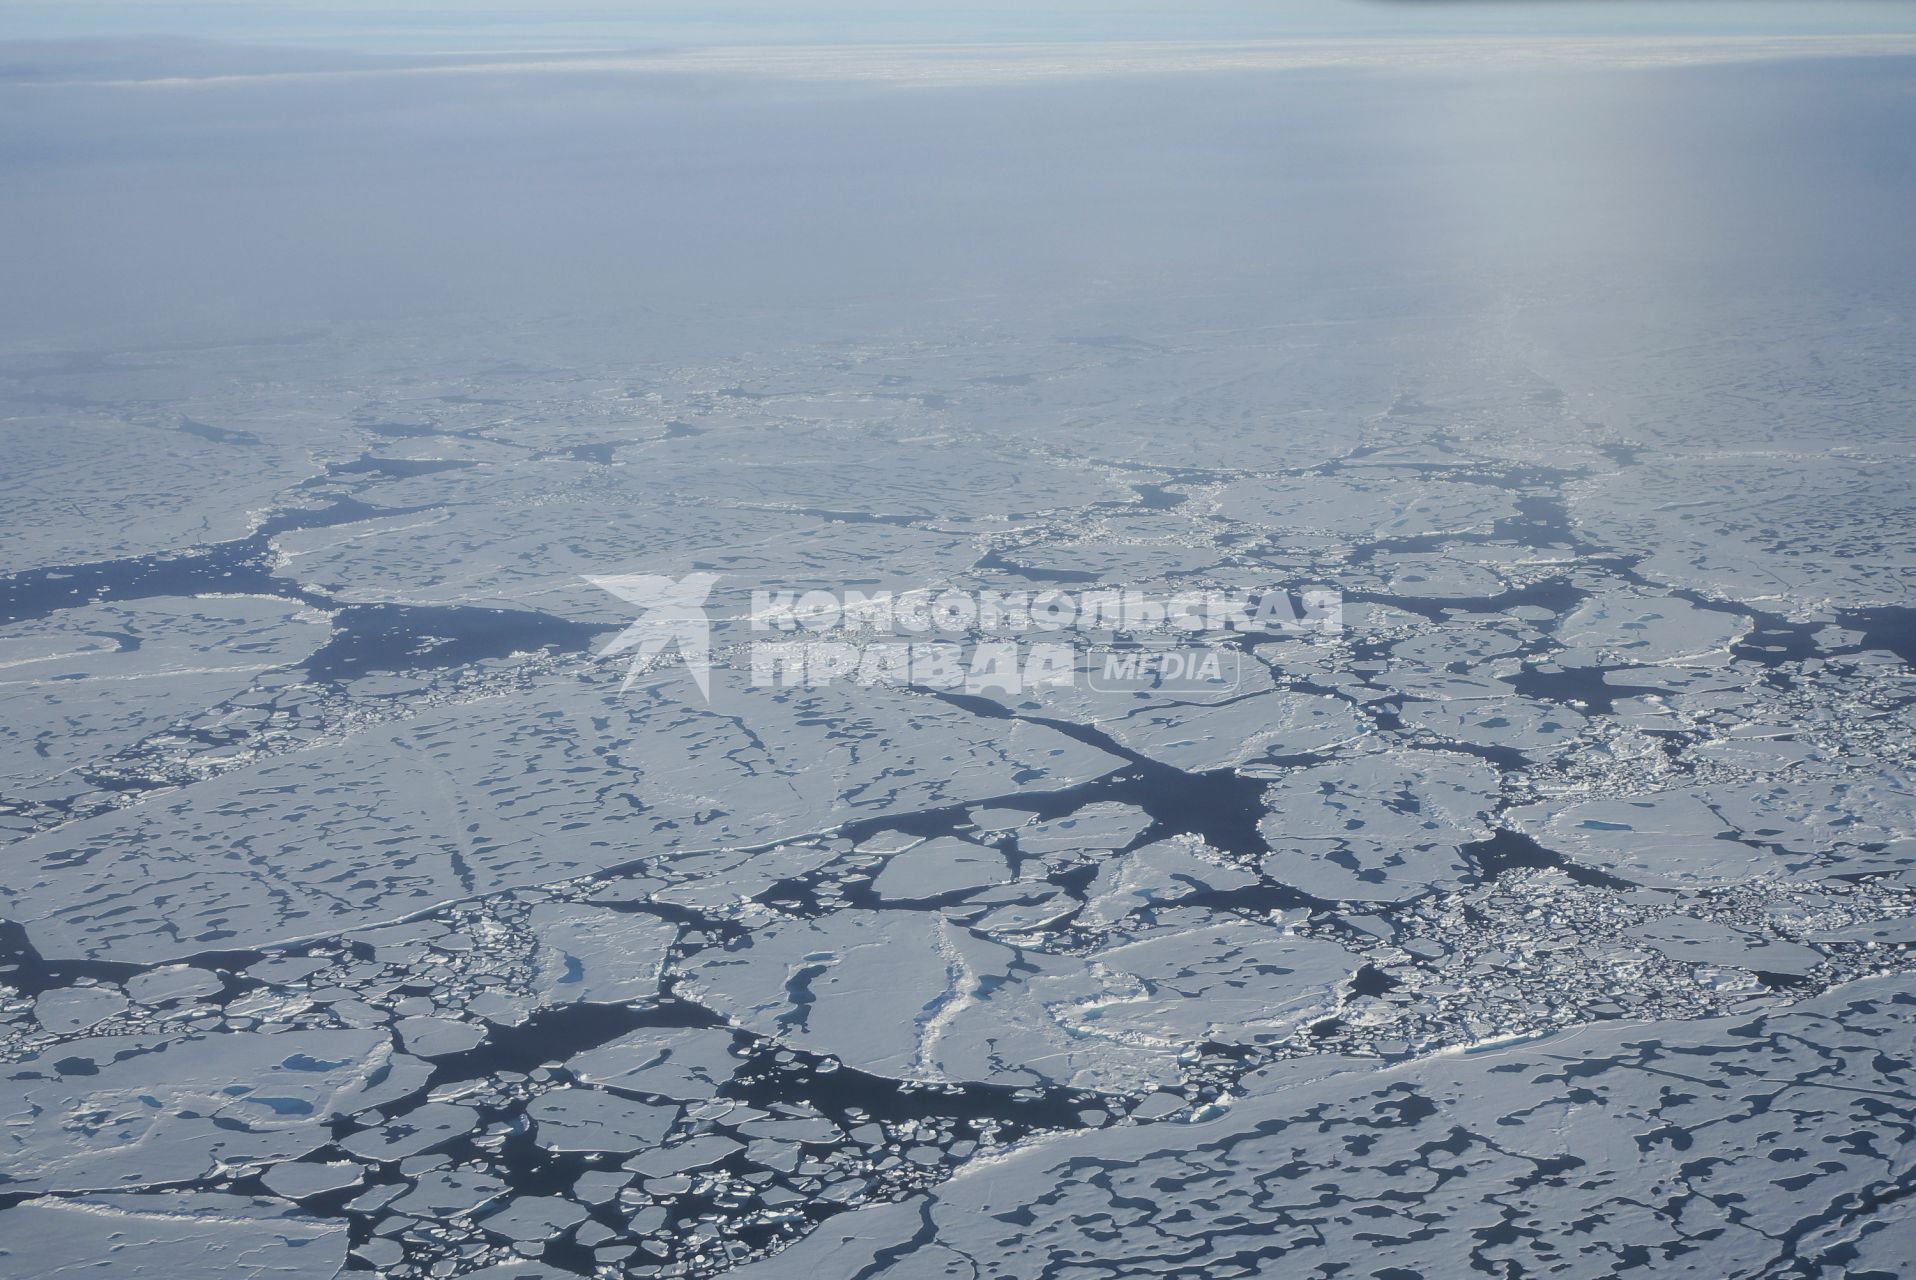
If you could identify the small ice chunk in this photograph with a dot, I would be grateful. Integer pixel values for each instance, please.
(417, 1130)
(301, 1179)
(1095, 827)
(686, 1063)
(534, 1217)
(938, 867)
(172, 982)
(437, 1037)
(445, 1193)
(595, 954)
(584, 1119)
(66, 1010)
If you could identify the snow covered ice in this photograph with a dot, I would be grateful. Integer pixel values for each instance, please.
(1550, 916)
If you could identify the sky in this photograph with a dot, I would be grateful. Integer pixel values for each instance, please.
(414, 25)
(168, 192)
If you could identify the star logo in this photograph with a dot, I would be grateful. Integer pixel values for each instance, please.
(672, 613)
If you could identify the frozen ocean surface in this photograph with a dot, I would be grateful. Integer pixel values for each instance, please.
(1553, 918)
